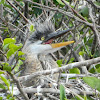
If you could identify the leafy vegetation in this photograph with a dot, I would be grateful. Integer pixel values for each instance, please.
(17, 21)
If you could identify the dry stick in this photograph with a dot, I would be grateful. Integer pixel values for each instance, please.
(94, 26)
(1, 40)
(18, 11)
(61, 69)
(19, 86)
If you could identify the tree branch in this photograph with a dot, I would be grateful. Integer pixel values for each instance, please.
(19, 86)
(60, 69)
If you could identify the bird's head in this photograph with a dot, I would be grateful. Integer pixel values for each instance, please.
(40, 42)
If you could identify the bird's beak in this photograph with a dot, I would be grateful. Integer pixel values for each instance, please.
(57, 45)
(50, 48)
(56, 34)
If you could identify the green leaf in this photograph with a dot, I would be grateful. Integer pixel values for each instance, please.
(6, 67)
(12, 89)
(12, 49)
(60, 2)
(71, 60)
(5, 81)
(15, 47)
(59, 62)
(92, 70)
(22, 3)
(5, 47)
(8, 6)
(1, 72)
(62, 92)
(2, 86)
(65, 99)
(1, 98)
(20, 62)
(9, 41)
(75, 70)
(95, 69)
(10, 52)
(18, 65)
(70, 24)
(90, 40)
(85, 97)
(97, 3)
(97, 66)
(19, 0)
(32, 28)
(98, 70)
(92, 82)
(9, 97)
(20, 53)
(82, 53)
(84, 12)
(2, 2)
(22, 58)
(88, 50)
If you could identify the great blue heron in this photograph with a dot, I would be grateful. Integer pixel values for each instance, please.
(37, 49)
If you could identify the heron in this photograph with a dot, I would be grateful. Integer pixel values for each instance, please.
(37, 51)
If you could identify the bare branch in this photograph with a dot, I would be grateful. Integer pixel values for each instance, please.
(19, 86)
(18, 11)
(61, 69)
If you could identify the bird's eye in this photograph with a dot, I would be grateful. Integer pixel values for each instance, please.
(42, 38)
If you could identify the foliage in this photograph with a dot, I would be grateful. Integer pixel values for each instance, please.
(10, 48)
(14, 31)
(93, 82)
(62, 93)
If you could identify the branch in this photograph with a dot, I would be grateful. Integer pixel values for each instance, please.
(94, 27)
(60, 69)
(18, 86)
(18, 11)
(54, 91)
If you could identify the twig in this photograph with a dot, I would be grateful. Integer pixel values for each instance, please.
(3, 54)
(1, 40)
(19, 86)
(18, 4)
(18, 11)
(94, 26)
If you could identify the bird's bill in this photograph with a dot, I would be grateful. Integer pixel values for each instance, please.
(56, 34)
(57, 45)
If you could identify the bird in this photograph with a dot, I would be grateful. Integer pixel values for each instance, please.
(37, 51)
